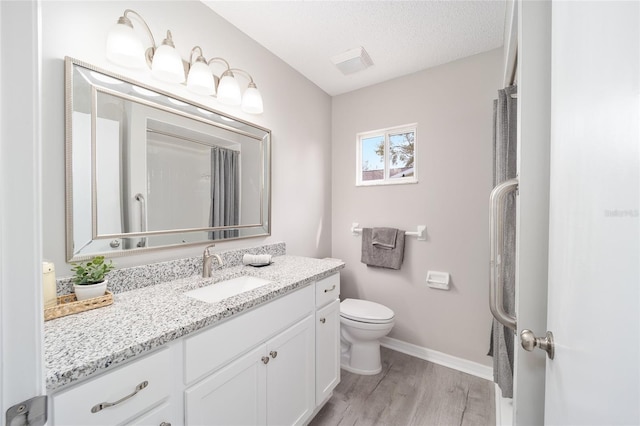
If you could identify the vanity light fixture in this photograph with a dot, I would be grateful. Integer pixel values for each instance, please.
(228, 89)
(167, 63)
(200, 79)
(125, 48)
(251, 99)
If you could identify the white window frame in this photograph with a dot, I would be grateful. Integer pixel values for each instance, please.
(386, 180)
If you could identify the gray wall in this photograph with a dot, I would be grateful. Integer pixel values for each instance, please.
(452, 105)
(297, 112)
(310, 174)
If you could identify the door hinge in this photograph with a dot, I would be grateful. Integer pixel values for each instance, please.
(32, 412)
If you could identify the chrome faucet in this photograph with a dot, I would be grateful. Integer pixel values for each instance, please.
(207, 258)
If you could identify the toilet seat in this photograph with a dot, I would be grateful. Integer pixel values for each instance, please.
(365, 311)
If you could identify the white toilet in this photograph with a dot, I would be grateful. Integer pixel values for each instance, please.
(362, 324)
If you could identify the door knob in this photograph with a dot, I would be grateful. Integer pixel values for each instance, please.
(529, 342)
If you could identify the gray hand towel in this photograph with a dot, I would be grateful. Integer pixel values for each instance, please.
(384, 238)
(383, 258)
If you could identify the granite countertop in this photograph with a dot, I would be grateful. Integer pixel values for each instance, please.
(80, 345)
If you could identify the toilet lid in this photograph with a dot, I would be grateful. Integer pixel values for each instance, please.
(365, 311)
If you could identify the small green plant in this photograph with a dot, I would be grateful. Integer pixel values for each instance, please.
(91, 272)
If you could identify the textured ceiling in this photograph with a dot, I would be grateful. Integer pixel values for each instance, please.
(402, 37)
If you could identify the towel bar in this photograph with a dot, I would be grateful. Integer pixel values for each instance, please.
(420, 233)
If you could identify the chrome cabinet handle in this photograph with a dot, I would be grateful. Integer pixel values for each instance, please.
(323, 320)
(273, 354)
(265, 360)
(327, 290)
(165, 424)
(496, 219)
(99, 407)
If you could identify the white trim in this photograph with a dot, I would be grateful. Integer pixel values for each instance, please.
(504, 409)
(460, 364)
(385, 133)
(22, 369)
(510, 42)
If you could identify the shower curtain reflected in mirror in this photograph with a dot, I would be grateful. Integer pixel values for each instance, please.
(225, 184)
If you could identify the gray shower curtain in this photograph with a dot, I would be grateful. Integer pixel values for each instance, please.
(225, 208)
(505, 168)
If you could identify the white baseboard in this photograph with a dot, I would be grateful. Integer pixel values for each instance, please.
(504, 409)
(466, 366)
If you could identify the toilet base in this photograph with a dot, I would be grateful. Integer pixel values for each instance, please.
(361, 358)
(346, 367)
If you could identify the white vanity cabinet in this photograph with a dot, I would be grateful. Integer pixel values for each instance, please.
(272, 383)
(119, 396)
(274, 364)
(327, 337)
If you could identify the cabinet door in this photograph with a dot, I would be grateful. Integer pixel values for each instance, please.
(235, 395)
(291, 375)
(327, 350)
(156, 417)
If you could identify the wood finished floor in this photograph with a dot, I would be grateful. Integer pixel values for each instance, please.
(409, 391)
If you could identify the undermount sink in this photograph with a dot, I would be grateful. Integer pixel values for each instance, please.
(225, 289)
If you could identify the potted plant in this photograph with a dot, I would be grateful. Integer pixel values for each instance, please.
(89, 280)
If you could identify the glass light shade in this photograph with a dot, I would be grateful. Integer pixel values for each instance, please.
(200, 79)
(124, 47)
(167, 65)
(229, 91)
(252, 100)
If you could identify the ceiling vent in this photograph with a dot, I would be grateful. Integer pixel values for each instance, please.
(352, 60)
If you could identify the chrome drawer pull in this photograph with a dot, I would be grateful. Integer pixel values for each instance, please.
(327, 290)
(273, 354)
(165, 424)
(323, 320)
(99, 407)
(265, 359)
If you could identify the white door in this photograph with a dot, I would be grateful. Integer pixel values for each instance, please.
(594, 279)
(534, 99)
(21, 303)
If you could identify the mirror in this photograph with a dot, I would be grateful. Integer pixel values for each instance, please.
(148, 170)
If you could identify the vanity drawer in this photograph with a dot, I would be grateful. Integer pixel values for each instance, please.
(327, 290)
(74, 406)
(220, 344)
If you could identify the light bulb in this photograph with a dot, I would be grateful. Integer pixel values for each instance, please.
(124, 47)
(200, 79)
(228, 90)
(167, 63)
(252, 100)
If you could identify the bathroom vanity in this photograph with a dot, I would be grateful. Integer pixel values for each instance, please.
(160, 357)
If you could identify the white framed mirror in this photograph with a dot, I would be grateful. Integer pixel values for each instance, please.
(147, 170)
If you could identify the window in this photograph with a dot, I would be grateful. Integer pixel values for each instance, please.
(387, 156)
